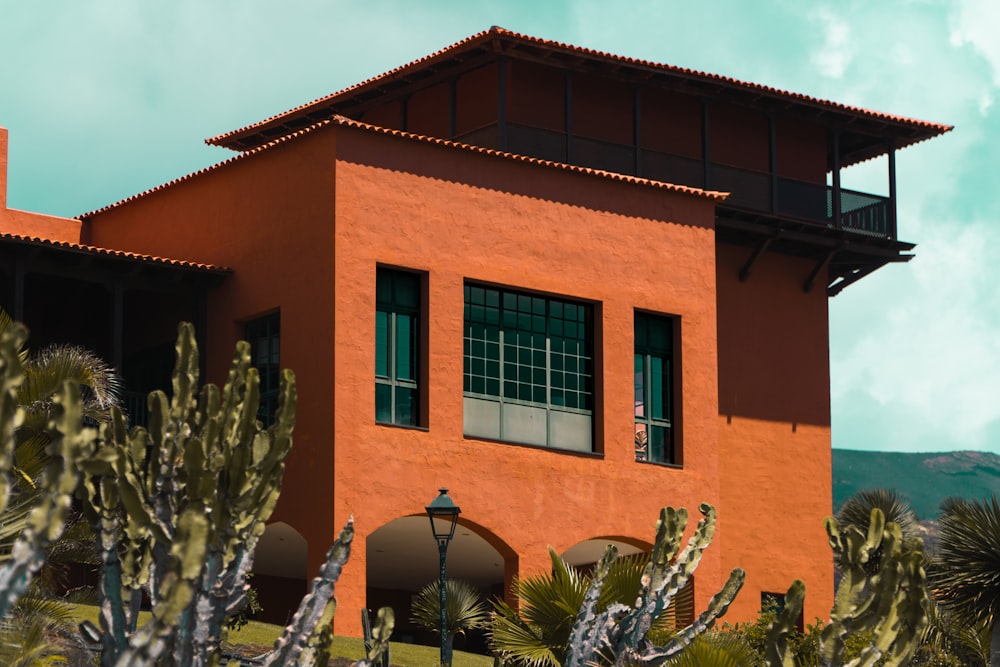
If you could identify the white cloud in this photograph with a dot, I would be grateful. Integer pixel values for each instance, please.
(836, 53)
(929, 350)
(976, 23)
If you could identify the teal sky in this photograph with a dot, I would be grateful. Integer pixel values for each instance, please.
(105, 98)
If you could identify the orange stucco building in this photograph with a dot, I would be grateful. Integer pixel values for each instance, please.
(571, 287)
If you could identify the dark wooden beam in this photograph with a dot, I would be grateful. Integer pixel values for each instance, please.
(821, 265)
(846, 281)
(502, 103)
(756, 255)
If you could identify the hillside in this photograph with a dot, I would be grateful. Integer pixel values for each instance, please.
(923, 479)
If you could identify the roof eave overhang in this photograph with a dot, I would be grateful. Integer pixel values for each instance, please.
(486, 46)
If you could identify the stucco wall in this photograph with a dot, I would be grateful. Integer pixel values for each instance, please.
(774, 429)
(269, 217)
(457, 217)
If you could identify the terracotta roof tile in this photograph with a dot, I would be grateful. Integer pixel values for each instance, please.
(109, 252)
(342, 121)
(229, 139)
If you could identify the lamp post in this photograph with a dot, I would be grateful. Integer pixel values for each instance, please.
(443, 514)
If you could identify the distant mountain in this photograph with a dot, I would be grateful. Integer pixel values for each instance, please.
(923, 479)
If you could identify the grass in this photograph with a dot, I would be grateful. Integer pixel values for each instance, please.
(264, 634)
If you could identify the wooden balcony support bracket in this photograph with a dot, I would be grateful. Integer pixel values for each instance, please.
(502, 103)
(821, 265)
(756, 254)
(846, 281)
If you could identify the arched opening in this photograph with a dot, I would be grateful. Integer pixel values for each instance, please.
(584, 556)
(402, 558)
(279, 572)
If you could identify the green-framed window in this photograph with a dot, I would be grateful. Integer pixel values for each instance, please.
(264, 336)
(528, 368)
(654, 389)
(397, 351)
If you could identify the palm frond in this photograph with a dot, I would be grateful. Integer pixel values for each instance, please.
(857, 510)
(966, 573)
(46, 372)
(466, 609)
(716, 650)
(517, 642)
(6, 321)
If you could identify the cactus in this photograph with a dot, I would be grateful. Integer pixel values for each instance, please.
(378, 658)
(620, 632)
(179, 507)
(67, 439)
(300, 644)
(890, 601)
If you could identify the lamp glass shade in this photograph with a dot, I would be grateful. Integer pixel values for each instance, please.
(443, 514)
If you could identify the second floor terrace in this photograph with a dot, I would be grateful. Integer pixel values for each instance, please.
(780, 155)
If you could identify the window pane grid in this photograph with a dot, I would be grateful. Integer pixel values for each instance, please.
(397, 318)
(527, 349)
(653, 389)
(264, 336)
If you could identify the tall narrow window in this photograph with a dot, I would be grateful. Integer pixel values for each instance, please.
(264, 336)
(654, 437)
(528, 369)
(397, 320)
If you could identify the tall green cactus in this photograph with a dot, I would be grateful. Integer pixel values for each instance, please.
(67, 440)
(179, 507)
(890, 601)
(620, 633)
(300, 644)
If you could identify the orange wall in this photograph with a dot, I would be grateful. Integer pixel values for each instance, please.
(738, 137)
(774, 429)
(536, 96)
(269, 217)
(670, 123)
(428, 111)
(478, 92)
(602, 109)
(801, 150)
(460, 216)
(755, 407)
(24, 223)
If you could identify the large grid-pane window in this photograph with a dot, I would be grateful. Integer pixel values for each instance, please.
(264, 336)
(528, 368)
(654, 421)
(397, 319)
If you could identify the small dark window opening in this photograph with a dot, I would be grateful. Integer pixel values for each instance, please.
(264, 336)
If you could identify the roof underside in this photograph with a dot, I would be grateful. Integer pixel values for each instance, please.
(27, 246)
(863, 133)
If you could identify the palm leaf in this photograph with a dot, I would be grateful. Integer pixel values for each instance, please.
(466, 609)
(716, 650)
(965, 576)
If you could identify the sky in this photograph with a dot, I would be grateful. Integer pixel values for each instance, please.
(106, 98)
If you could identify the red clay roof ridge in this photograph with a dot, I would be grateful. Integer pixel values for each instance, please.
(496, 31)
(111, 252)
(716, 195)
(337, 119)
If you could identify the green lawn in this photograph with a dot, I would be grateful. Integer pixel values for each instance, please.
(264, 634)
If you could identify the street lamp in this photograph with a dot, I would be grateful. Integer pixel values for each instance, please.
(443, 514)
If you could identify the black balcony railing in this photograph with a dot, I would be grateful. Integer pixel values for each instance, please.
(749, 190)
(135, 408)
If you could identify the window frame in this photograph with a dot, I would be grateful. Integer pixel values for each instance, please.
(268, 328)
(394, 309)
(645, 352)
(537, 366)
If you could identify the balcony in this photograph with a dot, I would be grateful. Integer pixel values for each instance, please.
(753, 193)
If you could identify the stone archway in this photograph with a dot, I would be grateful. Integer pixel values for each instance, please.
(280, 572)
(402, 557)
